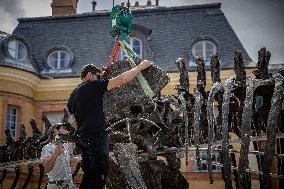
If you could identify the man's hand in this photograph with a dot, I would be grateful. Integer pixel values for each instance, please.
(58, 150)
(145, 64)
(74, 121)
(49, 162)
(128, 75)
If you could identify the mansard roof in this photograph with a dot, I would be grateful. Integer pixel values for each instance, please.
(167, 33)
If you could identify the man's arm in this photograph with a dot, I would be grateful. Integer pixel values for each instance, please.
(74, 121)
(50, 161)
(128, 75)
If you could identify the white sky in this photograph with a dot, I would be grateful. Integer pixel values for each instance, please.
(257, 23)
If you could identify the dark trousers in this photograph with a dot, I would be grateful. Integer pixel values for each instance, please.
(95, 158)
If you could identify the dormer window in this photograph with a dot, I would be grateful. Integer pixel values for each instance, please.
(17, 49)
(136, 45)
(58, 59)
(204, 48)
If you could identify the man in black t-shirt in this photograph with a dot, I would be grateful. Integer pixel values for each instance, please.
(86, 107)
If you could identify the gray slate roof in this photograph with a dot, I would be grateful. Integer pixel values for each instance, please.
(7, 60)
(167, 33)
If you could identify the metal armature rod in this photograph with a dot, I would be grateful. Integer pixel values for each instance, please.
(13, 164)
(237, 141)
(257, 153)
(236, 168)
(253, 152)
(126, 119)
(128, 129)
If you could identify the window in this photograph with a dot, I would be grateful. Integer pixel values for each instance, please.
(17, 49)
(58, 59)
(11, 120)
(204, 48)
(204, 166)
(136, 45)
(54, 117)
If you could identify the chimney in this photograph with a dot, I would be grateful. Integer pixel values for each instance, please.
(64, 7)
(157, 2)
(94, 4)
(136, 4)
(149, 3)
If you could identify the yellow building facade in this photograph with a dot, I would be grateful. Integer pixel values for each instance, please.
(34, 96)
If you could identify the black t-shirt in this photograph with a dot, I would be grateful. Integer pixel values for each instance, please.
(86, 103)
